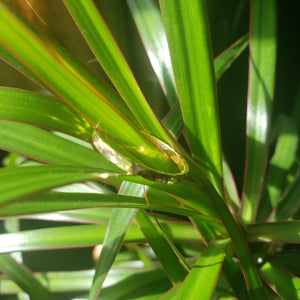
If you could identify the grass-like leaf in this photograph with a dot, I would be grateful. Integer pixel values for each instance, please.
(25, 182)
(45, 146)
(289, 204)
(148, 20)
(260, 95)
(83, 235)
(70, 80)
(43, 111)
(281, 232)
(108, 54)
(63, 281)
(118, 225)
(281, 162)
(190, 49)
(53, 201)
(283, 282)
(171, 260)
(200, 283)
(24, 278)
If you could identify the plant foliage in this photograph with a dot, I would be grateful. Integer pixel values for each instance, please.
(145, 180)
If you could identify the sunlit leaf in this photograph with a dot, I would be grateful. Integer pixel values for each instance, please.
(260, 95)
(88, 95)
(44, 146)
(118, 225)
(58, 201)
(108, 54)
(281, 232)
(282, 160)
(23, 278)
(171, 260)
(81, 236)
(289, 203)
(201, 281)
(283, 282)
(43, 111)
(149, 22)
(190, 49)
(25, 182)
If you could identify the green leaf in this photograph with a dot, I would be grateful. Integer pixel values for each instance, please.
(146, 282)
(228, 57)
(201, 281)
(171, 260)
(43, 111)
(189, 43)
(59, 201)
(83, 235)
(89, 96)
(13, 61)
(283, 282)
(280, 232)
(281, 162)
(62, 281)
(230, 186)
(108, 54)
(147, 17)
(289, 204)
(240, 244)
(260, 94)
(119, 223)
(148, 20)
(171, 293)
(23, 278)
(25, 182)
(44, 146)
(173, 120)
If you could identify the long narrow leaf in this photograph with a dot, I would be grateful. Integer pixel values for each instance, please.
(282, 160)
(250, 272)
(43, 111)
(23, 278)
(201, 281)
(148, 20)
(189, 42)
(289, 203)
(280, 232)
(13, 61)
(227, 57)
(62, 281)
(67, 77)
(283, 282)
(58, 201)
(25, 182)
(148, 282)
(173, 120)
(149, 23)
(172, 264)
(82, 236)
(260, 95)
(118, 225)
(44, 146)
(107, 52)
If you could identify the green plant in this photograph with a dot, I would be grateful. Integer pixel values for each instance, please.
(175, 204)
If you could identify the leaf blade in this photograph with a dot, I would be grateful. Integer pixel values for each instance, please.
(43, 111)
(89, 96)
(23, 278)
(201, 281)
(260, 94)
(100, 40)
(24, 182)
(81, 236)
(44, 146)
